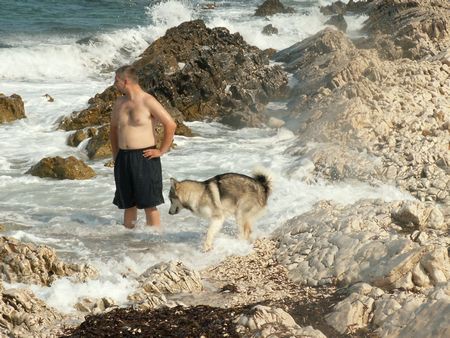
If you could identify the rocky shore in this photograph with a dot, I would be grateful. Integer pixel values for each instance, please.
(374, 109)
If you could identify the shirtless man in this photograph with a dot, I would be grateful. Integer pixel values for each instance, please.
(137, 165)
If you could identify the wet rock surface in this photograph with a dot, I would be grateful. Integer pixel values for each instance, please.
(62, 168)
(271, 7)
(23, 315)
(36, 264)
(362, 242)
(418, 28)
(11, 108)
(197, 73)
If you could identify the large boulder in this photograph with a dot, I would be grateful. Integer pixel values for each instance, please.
(271, 7)
(37, 264)
(199, 73)
(211, 74)
(11, 108)
(62, 168)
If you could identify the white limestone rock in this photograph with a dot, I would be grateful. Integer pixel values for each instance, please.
(265, 321)
(360, 242)
(37, 264)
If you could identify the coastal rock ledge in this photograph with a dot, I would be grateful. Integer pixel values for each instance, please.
(37, 264)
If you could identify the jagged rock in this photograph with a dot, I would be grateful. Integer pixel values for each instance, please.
(270, 30)
(355, 101)
(328, 59)
(169, 278)
(396, 314)
(28, 263)
(49, 98)
(98, 113)
(80, 135)
(443, 57)
(336, 8)
(264, 321)
(94, 306)
(341, 8)
(198, 73)
(344, 245)
(62, 168)
(418, 317)
(211, 74)
(143, 301)
(164, 278)
(352, 313)
(359, 6)
(271, 7)
(11, 108)
(23, 315)
(338, 21)
(99, 146)
(420, 216)
(419, 28)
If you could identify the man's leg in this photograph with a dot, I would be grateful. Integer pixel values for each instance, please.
(130, 217)
(153, 217)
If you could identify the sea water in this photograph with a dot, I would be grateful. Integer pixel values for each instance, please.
(69, 50)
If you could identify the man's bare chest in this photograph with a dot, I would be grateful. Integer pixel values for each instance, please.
(134, 115)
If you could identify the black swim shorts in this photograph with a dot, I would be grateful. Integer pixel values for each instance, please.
(138, 180)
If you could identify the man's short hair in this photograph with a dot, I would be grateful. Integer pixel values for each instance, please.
(128, 72)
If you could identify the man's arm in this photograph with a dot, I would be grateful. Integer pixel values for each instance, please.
(113, 132)
(163, 116)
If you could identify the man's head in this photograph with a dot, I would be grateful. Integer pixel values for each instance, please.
(125, 75)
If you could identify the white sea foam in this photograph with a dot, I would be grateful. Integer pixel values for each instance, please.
(65, 293)
(167, 14)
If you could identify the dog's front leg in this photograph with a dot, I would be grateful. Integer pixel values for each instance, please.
(214, 227)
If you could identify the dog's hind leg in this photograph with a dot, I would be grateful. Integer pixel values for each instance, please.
(244, 224)
(214, 227)
(247, 229)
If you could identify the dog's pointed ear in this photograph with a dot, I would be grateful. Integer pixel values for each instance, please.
(173, 182)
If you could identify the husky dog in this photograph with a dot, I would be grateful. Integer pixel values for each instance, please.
(222, 196)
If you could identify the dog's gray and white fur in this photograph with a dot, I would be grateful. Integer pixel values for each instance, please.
(223, 196)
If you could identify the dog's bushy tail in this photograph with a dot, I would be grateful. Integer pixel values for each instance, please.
(264, 177)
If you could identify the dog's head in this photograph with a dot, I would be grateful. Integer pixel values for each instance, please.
(175, 203)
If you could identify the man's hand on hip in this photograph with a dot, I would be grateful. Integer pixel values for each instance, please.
(151, 153)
